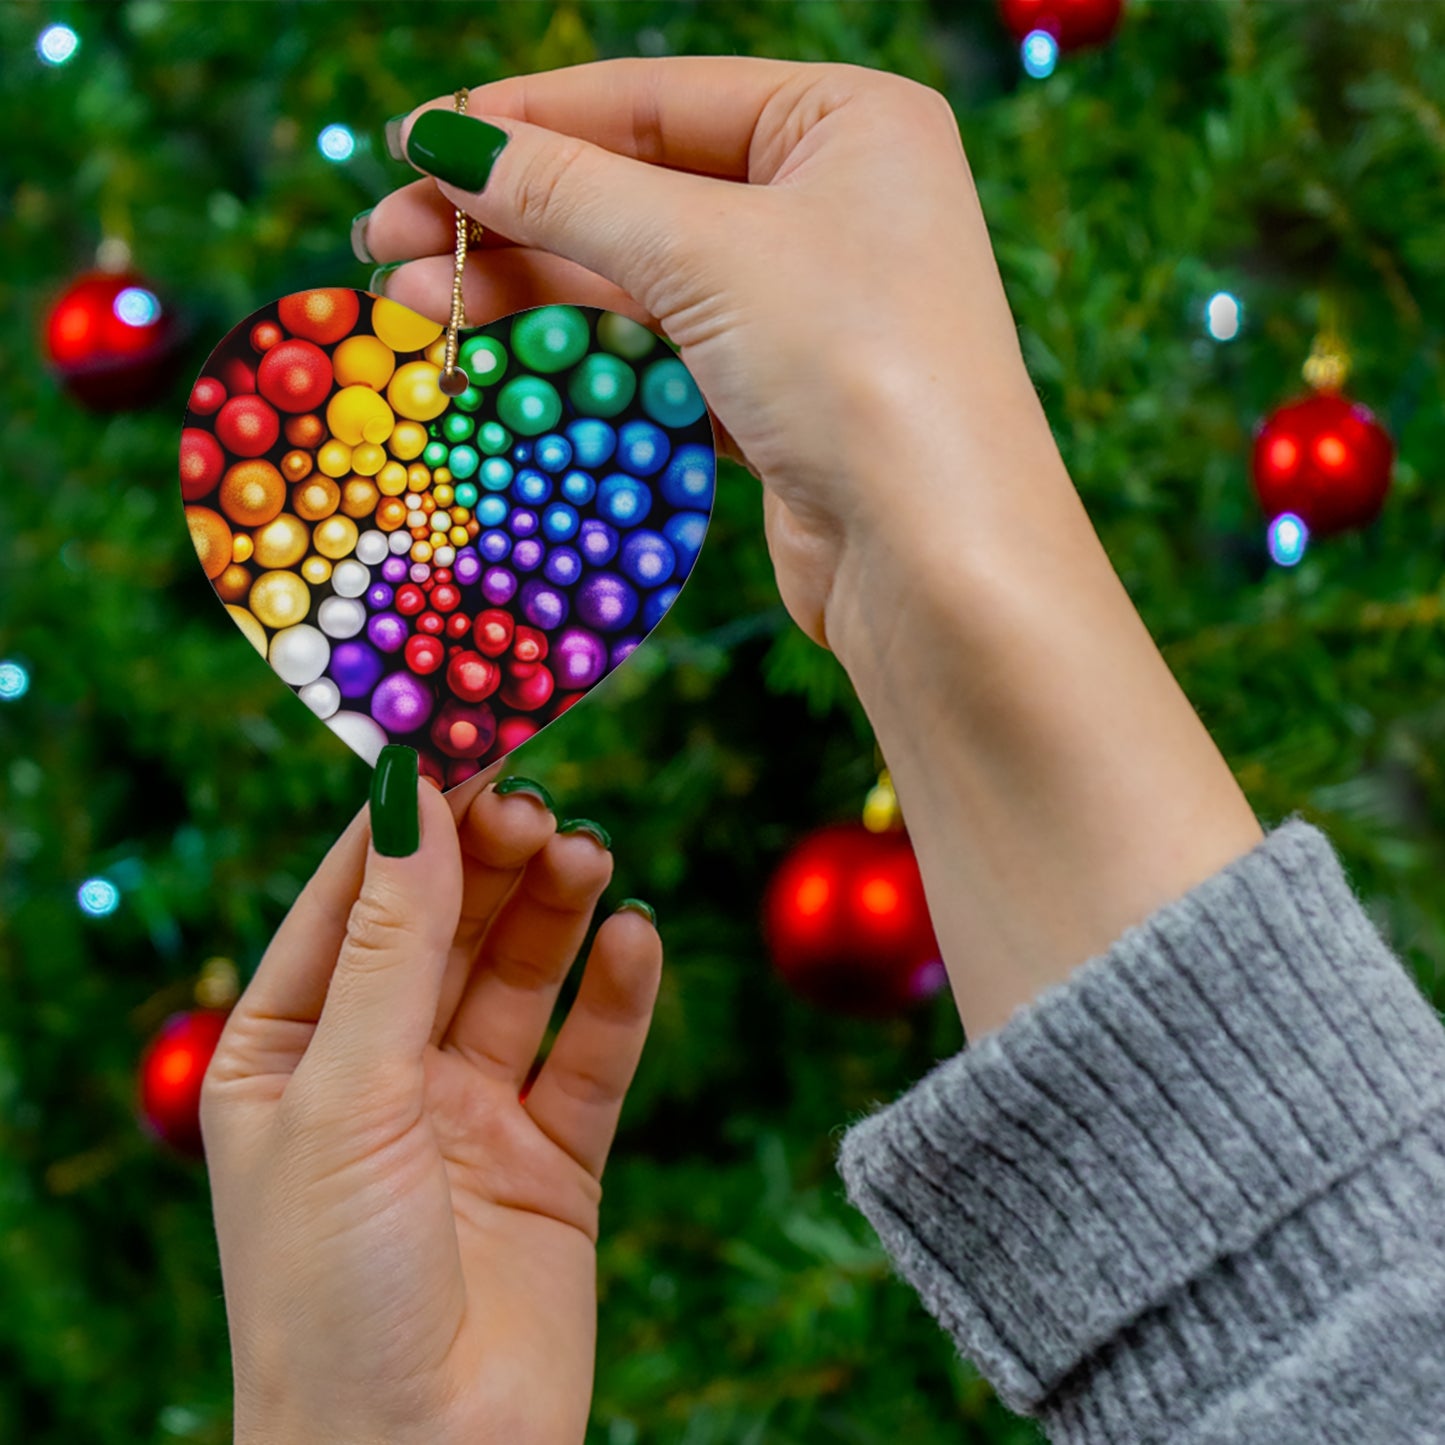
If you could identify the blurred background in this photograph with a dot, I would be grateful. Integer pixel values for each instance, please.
(1189, 205)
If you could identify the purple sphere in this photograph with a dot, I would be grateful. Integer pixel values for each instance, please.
(542, 605)
(564, 566)
(402, 703)
(498, 586)
(527, 554)
(578, 658)
(522, 522)
(387, 631)
(467, 566)
(622, 650)
(495, 546)
(394, 569)
(378, 596)
(354, 668)
(606, 602)
(597, 542)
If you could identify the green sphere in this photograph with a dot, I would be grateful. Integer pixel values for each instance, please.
(457, 426)
(435, 454)
(602, 385)
(493, 437)
(465, 494)
(468, 400)
(623, 336)
(669, 394)
(496, 474)
(550, 338)
(529, 405)
(462, 461)
(484, 359)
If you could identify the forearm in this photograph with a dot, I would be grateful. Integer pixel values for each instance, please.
(1056, 782)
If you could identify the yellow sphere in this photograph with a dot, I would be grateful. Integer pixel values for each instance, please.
(400, 328)
(334, 458)
(418, 477)
(442, 476)
(280, 599)
(363, 361)
(407, 441)
(438, 539)
(436, 353)
(316, 570)
(421, 551)
(282, 543)
(335, 537)
(241, 547)
(458, 536)
(443, 494)
(359, 497)
(461, 516)
(413, 393)
(315, 498)
(233, 584)
(368, 459)
(251, 630)
(391, 480)
(357, 414)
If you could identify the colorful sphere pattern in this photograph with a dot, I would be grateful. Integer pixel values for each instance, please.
(451, 573)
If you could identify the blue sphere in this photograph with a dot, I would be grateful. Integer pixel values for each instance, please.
(578, 488)
(560, 522)
(623, 500)
(494, 545)
(597, 542)
(563, 566)
(492, 511)
(688, 480)
(552, 452)
(655, 607)
(531, 487)
(593, 441)
(521, 454)
(495, 474)
(685, 530)
(647, 558)
(642, 448)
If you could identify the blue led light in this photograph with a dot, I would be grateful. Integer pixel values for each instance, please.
(57, 44)
(1223, 316)
(136, 306)
(1288, 538)
(336, 143)
(1040, 53)
(98, 897)
(14, 681)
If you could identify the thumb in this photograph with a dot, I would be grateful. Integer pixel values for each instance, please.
(382, 1000)
(637, 225)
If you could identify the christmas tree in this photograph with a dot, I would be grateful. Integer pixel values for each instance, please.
(1179, 214)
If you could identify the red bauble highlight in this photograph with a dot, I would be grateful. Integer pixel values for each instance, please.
(445, 596)
(847, 923)
(432, 623)
(203, 463)
(207, 396)
(459, 626)
(1073, 23)
(473, 677)
(111, 341)
(247, 426)
(324, 315)
(527, 694)
(295, 376)
(170, 1075)
(1324, 458)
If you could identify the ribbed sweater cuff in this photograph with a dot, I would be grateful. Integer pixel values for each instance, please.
(1141, 1168)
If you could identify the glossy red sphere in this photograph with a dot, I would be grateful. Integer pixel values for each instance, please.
(1324, 458)
(111, 340)
(847, 924)
(1073, 23)
(171, 1071)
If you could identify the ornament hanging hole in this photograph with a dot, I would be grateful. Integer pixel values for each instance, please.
(453, 383)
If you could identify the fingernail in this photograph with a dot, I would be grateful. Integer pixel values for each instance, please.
(393, 137)
(377, 284)
(586, 825)
(395, 816)
(527, 786)
(359, 248)
(636, 905)
(455, 148)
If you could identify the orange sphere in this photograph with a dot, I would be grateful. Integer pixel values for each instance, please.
(391, 514)
(212, 539)
(359, 497)
(296, 465)
(305, 431)
(315, 498)
(252, 492)
(324, 315)
(234, 583)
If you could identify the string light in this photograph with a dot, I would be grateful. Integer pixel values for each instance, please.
(136, 306)
(98, 897)
(1288, 538)
(336, 143)
(14, 681)
(1223, 316)
(1040, 52)
(57, 44)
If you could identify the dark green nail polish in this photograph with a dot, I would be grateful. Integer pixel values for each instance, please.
(586, 825)
(395, 816)
(526, 785)
(377, 284)
(455, 148)
(636, 905)
(359, 248)
(393, 136)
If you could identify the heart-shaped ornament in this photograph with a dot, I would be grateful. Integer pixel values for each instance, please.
(448, 572)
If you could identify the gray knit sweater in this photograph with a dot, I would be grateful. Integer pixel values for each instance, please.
(1197, 1191)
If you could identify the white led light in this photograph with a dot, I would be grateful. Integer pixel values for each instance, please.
(57, 44)
(1223, 316)
(14, 681)
(1040, 53)
(136, 306)
(1288, 538)
(98, 897)
(336, 143)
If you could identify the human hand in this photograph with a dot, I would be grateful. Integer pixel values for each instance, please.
(407, 1246)
(838, 309)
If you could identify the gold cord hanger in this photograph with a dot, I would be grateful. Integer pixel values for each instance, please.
(453, 379)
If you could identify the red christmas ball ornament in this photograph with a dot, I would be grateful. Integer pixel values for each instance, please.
(472, 677)
(207, 396)
(1073, 23)
(463, 731)
(493, 631)
(294, 376)
(324, 315)
(111, 341)
(528, 692)
(1326, 459)
(171, 1071)
(202, 463)
(847, 924)
(423, 654)
(248, 426)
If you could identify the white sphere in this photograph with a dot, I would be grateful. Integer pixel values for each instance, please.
(401, 541)
(420, 571)
(363, 735)
(341, 617)
(350, 578)
(299, 654)
(323, 696)
(372, 548)
(444, 556)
